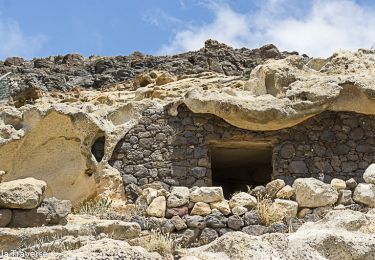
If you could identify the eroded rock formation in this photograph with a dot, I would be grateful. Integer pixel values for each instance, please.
(67, 138)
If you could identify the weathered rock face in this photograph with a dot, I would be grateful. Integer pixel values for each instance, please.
(83, 127)
(313, 193)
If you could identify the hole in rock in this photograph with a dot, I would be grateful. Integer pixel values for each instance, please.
(234, 166)
(97, 148)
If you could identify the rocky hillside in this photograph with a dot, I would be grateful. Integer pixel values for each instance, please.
(62, 73)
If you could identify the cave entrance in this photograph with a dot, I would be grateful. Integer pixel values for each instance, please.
(236, 165)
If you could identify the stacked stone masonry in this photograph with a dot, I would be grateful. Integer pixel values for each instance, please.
(176, 149)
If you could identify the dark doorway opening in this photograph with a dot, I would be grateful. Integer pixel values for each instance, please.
(97, 148)
(236, 166)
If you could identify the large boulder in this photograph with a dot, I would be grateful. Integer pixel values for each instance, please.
(243, 199)
(369, 175)
(365, 193)
(207, 194)
(179, 197)
(312, 193)
(22, 194)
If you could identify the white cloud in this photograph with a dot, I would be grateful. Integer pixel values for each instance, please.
(326, 26)
(13, 41)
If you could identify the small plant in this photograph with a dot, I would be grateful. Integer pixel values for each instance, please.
(268, 214)
(94, 207)
(160, 243)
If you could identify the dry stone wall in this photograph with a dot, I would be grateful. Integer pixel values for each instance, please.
(176, 150)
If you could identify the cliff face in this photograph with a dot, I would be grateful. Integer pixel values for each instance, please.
(61, 106)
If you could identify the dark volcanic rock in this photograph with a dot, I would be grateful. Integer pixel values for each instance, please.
(65, 72)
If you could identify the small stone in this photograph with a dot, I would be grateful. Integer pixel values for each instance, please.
(274, 186)
(157, 207)
(207, 236)
(259, 191)
(288, 207)
(255, 230)
(285, 193)
(179, 223)
(223, 231)
(298, 167)
(345, 197)
(5, 217)
(195, 221)
(351, 184)
(207, 194)
(216, 220)
(365, 193)
(338, 184)
(201, 209)
(127, 179)
(150, 194)
(140, 220)
(239, 210)
(303, 212)
(235, 222)
(278, 227)
(243, 199)
(179, 197)
(176, 212)
(251, 218)
(168, 227)
(369, 174)
(339, 207)
(222, 206)
(2, 174)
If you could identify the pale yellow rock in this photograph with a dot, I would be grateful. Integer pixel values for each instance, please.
(201, 209)
(150, 194)
(274, 186)
(242, 199)
(157, 207)
(338, 184)
(303, 212)
(239, 210)
(288, 208)
(222, 206)
(285, 193)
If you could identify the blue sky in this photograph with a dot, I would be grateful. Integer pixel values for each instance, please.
(118, 27)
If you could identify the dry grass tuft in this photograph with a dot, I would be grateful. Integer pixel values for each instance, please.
(94, 207)
(268, 214)
(160, 243)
